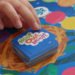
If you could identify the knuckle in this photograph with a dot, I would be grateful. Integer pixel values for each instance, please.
(3, 4)
(16, 18)
(18, 7)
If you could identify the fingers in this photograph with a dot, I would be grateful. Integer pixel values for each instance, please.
(25, 25)
(7, 22)
(13, 8)
(1, 25)
(25, 2)
(10, 12)
(26, 14)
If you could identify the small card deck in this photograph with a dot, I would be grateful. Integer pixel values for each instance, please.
(35, 46)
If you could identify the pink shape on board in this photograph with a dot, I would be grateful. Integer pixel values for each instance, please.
(55, 17)
(69, 71)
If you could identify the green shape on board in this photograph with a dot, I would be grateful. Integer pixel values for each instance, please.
(49, 0)
(70, 48)
(9, 72)
(51, 69)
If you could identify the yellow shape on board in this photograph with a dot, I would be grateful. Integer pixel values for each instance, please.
(69, 23)
(66, 3)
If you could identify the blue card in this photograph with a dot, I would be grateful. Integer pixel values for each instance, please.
(33, 46)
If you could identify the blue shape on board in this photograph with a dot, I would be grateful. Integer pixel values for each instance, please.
(69, 11)
(0, 70)
(43, 21)
(53, 6)
(74, 7)
(33, 73)
(65, 66)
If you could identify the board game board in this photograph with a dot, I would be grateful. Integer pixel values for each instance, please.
(52, 13)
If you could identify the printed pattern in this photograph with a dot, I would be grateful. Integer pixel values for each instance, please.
(65, 64)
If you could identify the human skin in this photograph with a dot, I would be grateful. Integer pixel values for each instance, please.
(18, 14)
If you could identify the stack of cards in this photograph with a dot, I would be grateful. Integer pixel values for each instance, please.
(35, 46)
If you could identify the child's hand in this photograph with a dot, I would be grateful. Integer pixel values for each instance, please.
(18, 14)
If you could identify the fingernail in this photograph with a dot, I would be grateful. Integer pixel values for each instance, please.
(19, 25)
(36, 26)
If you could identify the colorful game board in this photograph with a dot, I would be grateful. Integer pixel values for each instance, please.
(54, 13)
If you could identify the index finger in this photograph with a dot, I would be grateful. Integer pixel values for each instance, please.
(10, 12)
(25, 2)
